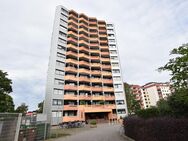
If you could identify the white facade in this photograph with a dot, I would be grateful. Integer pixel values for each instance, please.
(121, 105)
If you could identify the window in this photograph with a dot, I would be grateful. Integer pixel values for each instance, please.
(65, 28)
(112, 40)
(62, 40)
(57, 102)
(121, 111)
(110, 30)
(113, 52)
(63, 10)
(117, 78)
(115, 64)
(62, 34)
(112, 46)
(59, 72)
(115, 71)
(60, 56)
(111, 35)
(64, 16)
(58, 91)
(114, 57)
(58, 81)
(120, 102)
(117, 85)
(109, 25)
(63, 21)
(59, 63)
(57, 114)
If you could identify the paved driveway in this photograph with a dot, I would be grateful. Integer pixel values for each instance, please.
(104, 132)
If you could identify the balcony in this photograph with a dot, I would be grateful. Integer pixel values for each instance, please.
(84, 79)
(104, 47)
(96, 72)
(84, 97)
(107, 81)
(103, 35)
(70, 97)
(83, 30)
(71, 78)
(71, 69)
(106, 66)
(83, 19)
(82, 42)
(73, 47)
(71, 61)
(84, 63)
(84, 49)
(106, 73)
(83, 36)
(70, 107)
(72, 40)
(110, 106)
(108, 89)
(94, 44)
(95, 51)
(109, 97)
(70, 87)
(97, 97)
(71, 33)
(70, 118)
(72, 28)
(82, 55)
(83, 25)
(95, 65)
(96, 80)
(84, 88)
(103, 41)
(96, 89)
(96, 108)
(73, 20)
(84, 71)
(95, 57)
(93, 27)
(71, 53)
(105, 59)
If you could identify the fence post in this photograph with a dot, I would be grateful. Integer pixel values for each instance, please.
(18, 127)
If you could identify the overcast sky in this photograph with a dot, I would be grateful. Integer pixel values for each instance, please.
(146, 31)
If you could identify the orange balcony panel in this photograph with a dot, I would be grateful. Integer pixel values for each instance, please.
(105, 53)
(71, 77)
(73, 21)
(104, 41)
(70, 69)
(71, 15)
(84, 63)
(72, 46)
(83, 25)
(96, 72)
(84, 49)
(85, 79)
(70, 97)
(84, 97)
(82, 55)
(83, 36)
(95, 108)
(93, 28)
(107, 81)
(68, 53)
(105, 59)
(97, 97)
(84, 30)
(94, 44)
(106, 66)
(104, 47)
(92, 22)
(103, 35)
(83, 19)
(86, 71)
(72, 61)
(106, 73)
(72, 27)
(70, 107)
(109, 97)
(108, 89)
(95, 57)
(96, 80)
(83, 87)
(98, 89)
(70, 87)
(70, 39)
(110, 106)
(72, 33)
(95, 51)
(70, 118)
(95, 65)
(83, 42)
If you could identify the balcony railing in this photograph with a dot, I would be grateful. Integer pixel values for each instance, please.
(72, 61)
(70, 97)
(107, 81)
(70, 87)
(82, 70)
(106, 73)
(71, 77)
(96, 80)
(108, 89)
(70, 69)
(95, 65)
(84, 63)
(70, 107)
(85, 79)
(96, 89)
(85, 88)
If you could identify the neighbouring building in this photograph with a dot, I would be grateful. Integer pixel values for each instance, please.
(150, 93)
(84, 78)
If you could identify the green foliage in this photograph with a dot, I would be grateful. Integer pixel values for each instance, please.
(23, 108)
(101, 102)
(132, 104)
(93, 122)
(40, 107)
(82, 102)
(178, 102)
(164, 108)
(6, 101)
(178, 67)
(148, 113)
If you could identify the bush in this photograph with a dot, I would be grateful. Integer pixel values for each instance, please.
(93, 122)
(148, 113)
(156, 129)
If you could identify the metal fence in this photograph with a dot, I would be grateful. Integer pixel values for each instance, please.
(14, 127)
(9, 126)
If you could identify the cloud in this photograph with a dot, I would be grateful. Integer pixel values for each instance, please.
(146, 32)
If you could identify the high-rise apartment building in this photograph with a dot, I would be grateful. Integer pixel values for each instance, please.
(84, 76)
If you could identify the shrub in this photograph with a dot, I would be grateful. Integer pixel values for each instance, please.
(156, 129)
(93, 122)
(148, 113)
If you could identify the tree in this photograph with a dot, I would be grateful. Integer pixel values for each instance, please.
(23, 108)
(178, 67)
(164, 108)
(133, 105)
(6, 101)
(40, 107)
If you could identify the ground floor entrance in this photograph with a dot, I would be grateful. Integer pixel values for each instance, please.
(101, 117)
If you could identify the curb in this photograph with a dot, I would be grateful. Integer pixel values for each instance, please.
(127, 138)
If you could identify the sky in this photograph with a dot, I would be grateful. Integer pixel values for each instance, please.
(146, 31)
